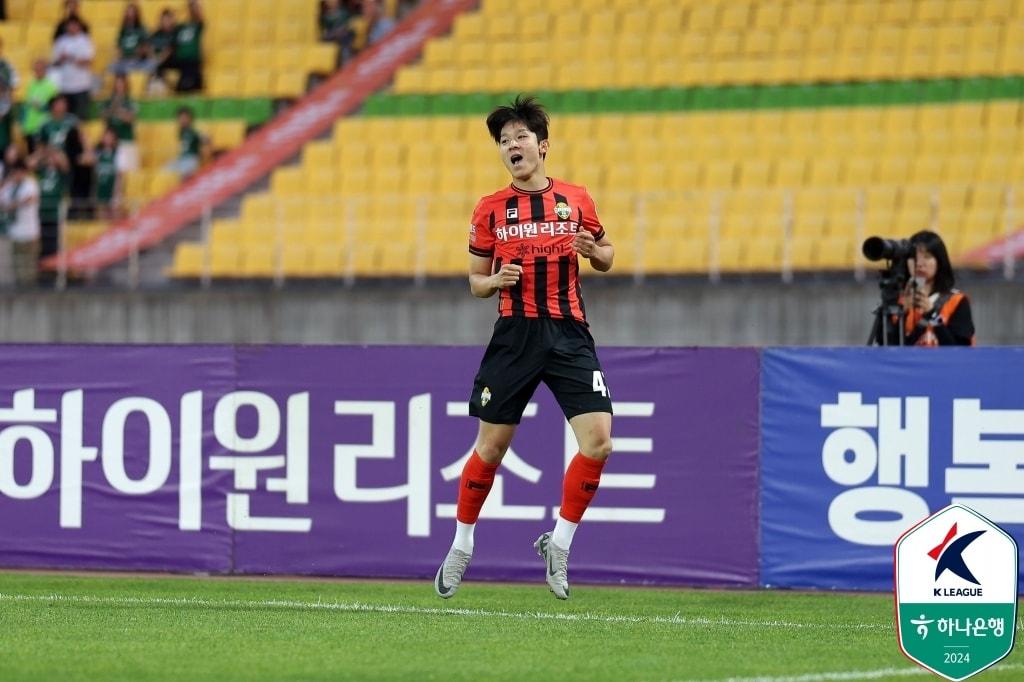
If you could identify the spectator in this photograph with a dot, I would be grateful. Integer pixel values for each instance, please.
(119, 113)
(11, 154)
(19, 198)
(132, 43)
(378, 23)
(52, 174)
(62, 133)
(70, 12)
(161, 47)
(72, 55)
(335, 27)
(188, 52)
(106, 175)
(35, 108)
(190, 145)
(8, 81)
(61, 127)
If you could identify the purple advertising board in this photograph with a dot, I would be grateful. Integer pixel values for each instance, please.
(345, 461)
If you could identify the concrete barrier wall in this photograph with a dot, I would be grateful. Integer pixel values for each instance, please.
(621, 313)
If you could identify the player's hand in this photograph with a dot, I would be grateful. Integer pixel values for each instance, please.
(584, 244)
(508, 276)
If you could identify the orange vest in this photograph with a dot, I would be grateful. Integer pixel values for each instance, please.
(945, 312)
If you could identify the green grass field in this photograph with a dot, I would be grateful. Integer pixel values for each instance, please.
(64, 627)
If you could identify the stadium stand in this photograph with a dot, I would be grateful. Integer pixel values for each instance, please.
(254, 52)
(733, 137)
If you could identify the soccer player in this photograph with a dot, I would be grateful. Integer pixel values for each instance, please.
(524, 244)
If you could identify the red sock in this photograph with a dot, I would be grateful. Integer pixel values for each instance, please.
(477, 479)
(578, 488)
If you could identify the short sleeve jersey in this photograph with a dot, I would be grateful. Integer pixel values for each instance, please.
(536, 230)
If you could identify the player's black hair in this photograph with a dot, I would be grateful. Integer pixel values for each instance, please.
(523, 109)
(933, 244)
(185, 109)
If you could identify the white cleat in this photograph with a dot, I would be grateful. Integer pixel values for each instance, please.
(449, 575)
(556, 565)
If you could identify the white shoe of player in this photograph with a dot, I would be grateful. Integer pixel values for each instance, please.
(449, 575)
(556, 565)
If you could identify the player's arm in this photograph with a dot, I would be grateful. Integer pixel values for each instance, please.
(599, 252)
(483, 283)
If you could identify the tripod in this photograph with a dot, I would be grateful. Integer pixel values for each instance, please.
(890, 314)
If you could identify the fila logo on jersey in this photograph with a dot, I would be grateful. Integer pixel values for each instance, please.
(512, 213)
(562, 210)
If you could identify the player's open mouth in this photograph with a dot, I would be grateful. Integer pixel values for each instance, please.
(515, 158)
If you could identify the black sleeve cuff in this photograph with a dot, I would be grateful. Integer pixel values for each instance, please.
(599, 236)
(481, 252)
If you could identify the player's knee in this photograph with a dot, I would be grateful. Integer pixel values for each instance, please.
(491, 451)
(599, 447)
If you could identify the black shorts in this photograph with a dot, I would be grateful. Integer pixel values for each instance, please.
(525, 351)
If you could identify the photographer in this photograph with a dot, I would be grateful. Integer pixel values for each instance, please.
(936, 313)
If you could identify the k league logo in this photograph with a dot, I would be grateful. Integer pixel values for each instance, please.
(956, 592)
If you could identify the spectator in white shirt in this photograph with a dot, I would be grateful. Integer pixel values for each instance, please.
(72, 55)
(19, 200)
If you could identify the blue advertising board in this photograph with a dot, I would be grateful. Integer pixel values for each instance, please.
(859, 444)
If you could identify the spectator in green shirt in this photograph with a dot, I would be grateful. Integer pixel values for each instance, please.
(119, 112)
(62, 132)
(190, 145)
(106, 177)
(188, 51)
(35, 110)
(8, 81)
(335, 27)
(51, 166)
(132, 43)
(161, 50)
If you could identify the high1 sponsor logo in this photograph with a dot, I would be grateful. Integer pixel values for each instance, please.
(956, 592)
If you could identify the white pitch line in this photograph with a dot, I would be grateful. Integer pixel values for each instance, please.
(852, 675)
(360, 607)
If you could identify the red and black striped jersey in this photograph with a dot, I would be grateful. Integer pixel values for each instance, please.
(536, 230)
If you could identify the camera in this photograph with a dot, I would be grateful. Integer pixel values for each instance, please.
(877, 248)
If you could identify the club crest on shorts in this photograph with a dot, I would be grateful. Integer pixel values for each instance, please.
(562, 210)
(485, 396)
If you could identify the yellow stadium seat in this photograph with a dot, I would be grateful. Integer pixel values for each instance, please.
(289, 33)
(864, 12)
(320, 58)
(256, 84)
(162, 182)
(188, 260)
(289, 85)
(225, 260)
(224, 84)
(295, 260)
(832, 14)
(287, 181)
(258, 260)
(768, 15)
(801, 15)
(789, 172)
(227, 134)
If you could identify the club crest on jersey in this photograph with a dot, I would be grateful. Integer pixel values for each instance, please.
(512, 213)
(562, 210)
(485, 396)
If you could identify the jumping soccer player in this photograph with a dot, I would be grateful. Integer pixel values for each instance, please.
(524, 244)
